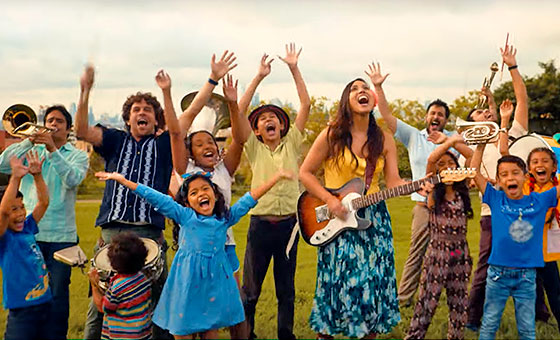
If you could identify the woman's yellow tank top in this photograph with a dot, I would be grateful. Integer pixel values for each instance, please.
(337, 175)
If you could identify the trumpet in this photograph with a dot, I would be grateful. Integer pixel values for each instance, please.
(477, 132)
(487, 83)
(20, 120)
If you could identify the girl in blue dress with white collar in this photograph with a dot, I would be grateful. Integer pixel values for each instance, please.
(200, 294)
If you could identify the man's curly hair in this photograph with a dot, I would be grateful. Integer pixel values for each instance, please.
(151, 100)
(127, 253)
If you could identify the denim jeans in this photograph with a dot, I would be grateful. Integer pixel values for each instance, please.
(59, 281)
(28, 322)
(501, 283)
(94, 319)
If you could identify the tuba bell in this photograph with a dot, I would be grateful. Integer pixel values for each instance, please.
(214, 116)
(20, 120)
(477, 132)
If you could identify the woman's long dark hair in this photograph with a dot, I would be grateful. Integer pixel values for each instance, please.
(459, 187)
(220, 208)
(339, 135)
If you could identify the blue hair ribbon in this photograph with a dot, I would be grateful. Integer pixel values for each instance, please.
(196, 173)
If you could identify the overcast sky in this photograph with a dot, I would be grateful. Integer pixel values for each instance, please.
(431, 48)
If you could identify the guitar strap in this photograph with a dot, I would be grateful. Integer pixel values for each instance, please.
(370, 167)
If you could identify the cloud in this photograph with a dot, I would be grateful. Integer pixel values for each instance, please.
(431, 48)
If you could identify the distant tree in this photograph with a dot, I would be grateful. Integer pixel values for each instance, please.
(91, 185)
(461, 106)
(411, 112)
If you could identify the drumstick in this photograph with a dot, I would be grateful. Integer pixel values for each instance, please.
(502, 70)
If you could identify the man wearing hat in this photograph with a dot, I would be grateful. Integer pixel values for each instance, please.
(271, 144)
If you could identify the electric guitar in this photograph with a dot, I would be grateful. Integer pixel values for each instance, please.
(318, 226)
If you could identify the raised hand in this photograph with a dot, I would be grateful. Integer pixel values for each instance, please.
(18, 169)
(35, 164)
(163, 80)
(264, 68)
(230, 88)
(375, 74)
(222, 66)
(437, 137)
(292, 56)
(508, 55)
(86, 80)
(105, 176)
(506, 109)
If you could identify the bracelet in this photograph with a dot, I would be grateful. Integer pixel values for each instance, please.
(504, 130)
(212, 81)
(512, 67)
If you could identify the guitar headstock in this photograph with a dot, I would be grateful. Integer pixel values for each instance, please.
(456, 175)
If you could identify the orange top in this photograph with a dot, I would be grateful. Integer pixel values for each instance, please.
(548, 257)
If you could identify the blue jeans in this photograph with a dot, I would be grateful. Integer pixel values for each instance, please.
(501, 283)
(28, 322)
(59, 280)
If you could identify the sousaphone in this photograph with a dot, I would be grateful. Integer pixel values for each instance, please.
(214, 116)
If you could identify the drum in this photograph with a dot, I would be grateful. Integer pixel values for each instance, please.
(153, 266)
(523, 145)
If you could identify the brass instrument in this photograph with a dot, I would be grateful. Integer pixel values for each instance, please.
(487, 83)
(213, 117)
(477, 132)
(20, 120)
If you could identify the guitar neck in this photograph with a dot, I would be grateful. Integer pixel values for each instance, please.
(405, 189)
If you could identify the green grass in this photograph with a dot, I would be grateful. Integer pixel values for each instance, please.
(400, 209)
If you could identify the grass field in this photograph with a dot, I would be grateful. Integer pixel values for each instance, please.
(400, 209)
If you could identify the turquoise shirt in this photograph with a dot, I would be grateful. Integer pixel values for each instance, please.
(63, 170)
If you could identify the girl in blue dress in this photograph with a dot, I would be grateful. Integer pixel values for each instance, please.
(200, 294)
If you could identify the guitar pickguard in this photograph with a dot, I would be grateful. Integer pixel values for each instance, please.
(337, 225)
(322, 213)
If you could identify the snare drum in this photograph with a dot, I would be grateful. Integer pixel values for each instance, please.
(153, 266)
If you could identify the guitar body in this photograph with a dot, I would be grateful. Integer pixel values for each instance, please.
(320, 233)
(318, 226)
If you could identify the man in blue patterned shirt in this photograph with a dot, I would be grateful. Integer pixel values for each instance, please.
(142, 153)
(64, 168)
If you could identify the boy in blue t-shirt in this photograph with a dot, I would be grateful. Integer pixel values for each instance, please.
(26, 291)
(517, 238)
